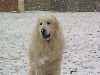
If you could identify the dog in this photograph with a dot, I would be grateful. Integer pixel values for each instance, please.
(46, 47)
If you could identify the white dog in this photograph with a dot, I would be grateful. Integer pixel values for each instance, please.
(47, 44)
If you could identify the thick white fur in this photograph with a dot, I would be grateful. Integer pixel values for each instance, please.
(45, 55)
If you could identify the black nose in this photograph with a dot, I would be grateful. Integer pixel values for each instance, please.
(43, 31)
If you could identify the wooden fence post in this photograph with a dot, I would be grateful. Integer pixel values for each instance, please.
(21, 6)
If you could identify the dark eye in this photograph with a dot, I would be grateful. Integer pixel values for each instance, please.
(40, 23)
(48, 23)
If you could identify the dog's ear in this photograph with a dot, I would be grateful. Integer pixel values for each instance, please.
(38, 20)
(56, 22)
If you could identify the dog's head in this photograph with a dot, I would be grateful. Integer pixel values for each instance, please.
(47, 25)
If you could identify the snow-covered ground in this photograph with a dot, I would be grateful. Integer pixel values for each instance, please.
(82, 32)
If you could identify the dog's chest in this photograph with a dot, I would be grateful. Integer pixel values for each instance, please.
(46, 50)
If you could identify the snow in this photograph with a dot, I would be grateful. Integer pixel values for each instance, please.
(81, 55)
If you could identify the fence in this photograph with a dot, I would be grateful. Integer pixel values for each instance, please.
(8, 5)
(63, 5)
(50, 5)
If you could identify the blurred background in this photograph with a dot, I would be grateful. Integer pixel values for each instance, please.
(50, 5)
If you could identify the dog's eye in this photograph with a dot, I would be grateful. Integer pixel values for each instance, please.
(40, 23)
(48, 23)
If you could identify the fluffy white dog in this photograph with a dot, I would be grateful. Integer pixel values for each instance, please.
(47, 44)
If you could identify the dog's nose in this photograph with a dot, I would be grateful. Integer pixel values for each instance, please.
(43, 31)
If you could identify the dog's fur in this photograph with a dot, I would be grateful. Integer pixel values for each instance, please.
(45, 55)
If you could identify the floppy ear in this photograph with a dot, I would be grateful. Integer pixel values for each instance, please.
(38, 19)
(36, 28)
(38, 22)
(56, 22)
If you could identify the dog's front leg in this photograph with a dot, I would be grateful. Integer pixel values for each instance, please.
(42, 66)
(42, 69)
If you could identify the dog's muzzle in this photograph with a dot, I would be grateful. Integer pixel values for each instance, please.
(44, 35)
